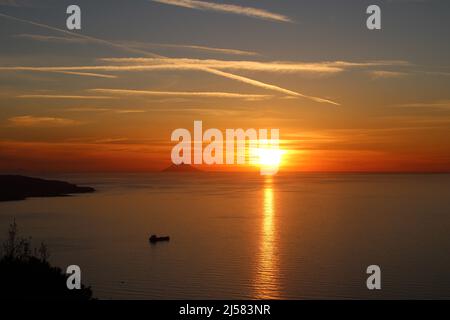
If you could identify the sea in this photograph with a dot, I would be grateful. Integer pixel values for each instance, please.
(246, 236)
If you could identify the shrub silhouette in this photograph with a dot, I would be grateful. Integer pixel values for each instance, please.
(28, 275)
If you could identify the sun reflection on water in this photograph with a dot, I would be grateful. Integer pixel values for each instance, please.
(266, 283)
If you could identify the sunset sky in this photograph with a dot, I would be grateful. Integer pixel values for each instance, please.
(107, 97)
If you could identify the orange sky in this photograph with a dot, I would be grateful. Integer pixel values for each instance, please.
(109, 100)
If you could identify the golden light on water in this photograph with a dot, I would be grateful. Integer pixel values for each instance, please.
(266, 283)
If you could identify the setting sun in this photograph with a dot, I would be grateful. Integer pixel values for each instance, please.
(268, 159)
(269, 156)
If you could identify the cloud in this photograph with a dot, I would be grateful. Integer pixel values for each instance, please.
(58, 96)
(139, 45)
(126, 92)
(32, 121)
(212, 49)
(46, 38)
(61, 70)
(88, 74)
(83, 36)
(227, 8)
(150, 54)
(126, 111)
(212, 65)
(276, 66)
(440, 104)
(227, 51)
(110, 140)
(265, 66)
(272, 87)
(231, 76)
(189, 64)
(387, 74)
(113, 110)
(86, 109)
(218, 68)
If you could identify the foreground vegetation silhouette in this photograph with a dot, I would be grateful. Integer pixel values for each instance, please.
(25, 273)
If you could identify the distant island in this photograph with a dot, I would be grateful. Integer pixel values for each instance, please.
(181, 168)
(17, 187)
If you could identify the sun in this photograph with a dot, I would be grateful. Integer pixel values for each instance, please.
(270, 157)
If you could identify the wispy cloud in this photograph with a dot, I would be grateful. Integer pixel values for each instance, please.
(243, 79)
(188, 64)
(112, 110)
(88, 74)
(322, 67)
(139, 45)
(220, 68)
(47, 38)
(271, 87)
(86, 109)
(440, 104)
(226, 51)
(33, 121)
(227, 8)
(58, 96)
(128, 111)
(176, 66)
(149, 64)
(379, 74)
(277, 66)
(127, 92)
(83, 36)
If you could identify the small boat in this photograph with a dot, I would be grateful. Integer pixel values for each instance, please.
(155, 239)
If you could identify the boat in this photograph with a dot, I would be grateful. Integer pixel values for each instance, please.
(154, 238)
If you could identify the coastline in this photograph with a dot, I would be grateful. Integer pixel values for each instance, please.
(18, 187)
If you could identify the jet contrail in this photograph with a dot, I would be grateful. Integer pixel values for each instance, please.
(227, 75)
(82, 36)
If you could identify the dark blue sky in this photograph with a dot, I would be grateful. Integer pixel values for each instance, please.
(322, 29)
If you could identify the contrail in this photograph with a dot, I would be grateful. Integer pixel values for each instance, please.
(82, 36)
(267, 86)
(227, 8)
(227, 75)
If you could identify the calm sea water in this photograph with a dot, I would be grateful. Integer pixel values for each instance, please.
(239, 236)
